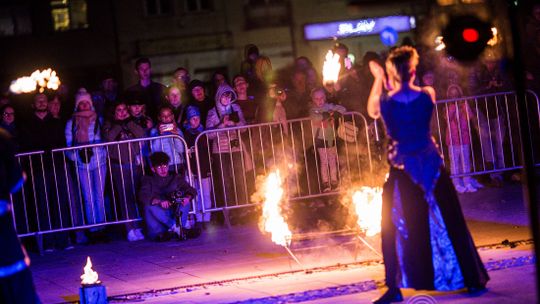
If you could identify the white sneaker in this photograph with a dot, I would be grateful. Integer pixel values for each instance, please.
(470, 188)
(139, 234)
(132, 236)
(187, 225)
(175, 229)
(460, 189)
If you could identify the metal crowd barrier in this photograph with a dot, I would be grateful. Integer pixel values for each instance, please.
(480, 134)
(95, 185)
(89, 186)
(230, 160)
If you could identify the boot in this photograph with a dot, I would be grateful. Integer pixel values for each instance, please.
(390, 296)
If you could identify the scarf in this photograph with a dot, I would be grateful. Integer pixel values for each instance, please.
(82, 121)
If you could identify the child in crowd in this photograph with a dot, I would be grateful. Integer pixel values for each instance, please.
(193, 128)
(161, 194)
(458, 140)
(137, 111)
(322, 115)
(173, 147)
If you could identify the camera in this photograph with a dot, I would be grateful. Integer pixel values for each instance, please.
(177, 196)
(234, 117)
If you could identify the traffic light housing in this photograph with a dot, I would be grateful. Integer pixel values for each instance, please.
(466, 37)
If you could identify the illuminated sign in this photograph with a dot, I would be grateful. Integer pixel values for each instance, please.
(362, 27)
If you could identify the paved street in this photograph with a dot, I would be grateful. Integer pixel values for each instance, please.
(240, 265)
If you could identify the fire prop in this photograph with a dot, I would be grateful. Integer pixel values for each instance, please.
(89, 276)
(46, 79)
(368, 206)
(272, 220)
(331, 68)
(91, 291)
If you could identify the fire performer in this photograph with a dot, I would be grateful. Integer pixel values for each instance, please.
(425, 241)
(16, 285)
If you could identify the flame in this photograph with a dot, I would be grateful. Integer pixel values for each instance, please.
(44, 79)
(331, 68)
(273, 221)
(495, 39)
(89, 276)
(368, 206)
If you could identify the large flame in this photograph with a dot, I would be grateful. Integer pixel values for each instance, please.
(46, 79)
(89, 276)
(331, 68)
(273, 221)
(368, 206)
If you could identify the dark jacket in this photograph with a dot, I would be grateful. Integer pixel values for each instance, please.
(157, 187)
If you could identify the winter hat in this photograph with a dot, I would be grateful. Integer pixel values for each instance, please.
(83, 95)
(192, 112)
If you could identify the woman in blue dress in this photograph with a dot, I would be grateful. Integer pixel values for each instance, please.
(425, 241)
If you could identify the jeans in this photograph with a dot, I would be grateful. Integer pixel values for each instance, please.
(92, 188)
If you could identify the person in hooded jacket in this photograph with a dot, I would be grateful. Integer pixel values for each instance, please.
(227, 148)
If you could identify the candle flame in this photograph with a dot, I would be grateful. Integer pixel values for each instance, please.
(273, 221)
(46, 79)
(331, 68)
(368, 206)
(89, 276)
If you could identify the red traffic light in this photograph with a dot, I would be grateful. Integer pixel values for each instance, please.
(470, 35)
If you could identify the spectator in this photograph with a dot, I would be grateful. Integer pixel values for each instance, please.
(148, 91)
(199, 99)
(227, 148)
(41, 131)
(247, 102)
(193, 128)
(125, 166)
(458, 140)
(172, 146)
(7, 122)
(490, 78)
(323, 115)
(251, 54)
(82, 129)
(181, 79)
(136, 110)
(174, 101)
(54, 106)
(161, 194)
(218, 78)
(298, 95)
(106, 97)
(258, 86)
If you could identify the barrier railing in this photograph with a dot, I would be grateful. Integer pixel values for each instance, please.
(480, 134)
(95, 185)
(314, 160)
(89, 186)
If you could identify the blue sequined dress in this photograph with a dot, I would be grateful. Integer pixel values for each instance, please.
(425, 240)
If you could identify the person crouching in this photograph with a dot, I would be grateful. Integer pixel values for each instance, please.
(161, 194)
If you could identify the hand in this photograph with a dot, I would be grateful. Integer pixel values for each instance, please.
(149, 124)
(376, 70)
(165, 204)
(227, 122)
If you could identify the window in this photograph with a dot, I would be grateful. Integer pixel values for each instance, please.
(15, 21)
(266, 13)
(69, 14)
(158, 7)
(199, 5)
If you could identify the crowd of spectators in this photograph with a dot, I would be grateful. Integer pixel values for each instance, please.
(187, 107)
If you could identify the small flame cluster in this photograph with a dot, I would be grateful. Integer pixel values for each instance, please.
(273, 221)
(89, 276)
(331, 68)
(46, 79)
(368, 206)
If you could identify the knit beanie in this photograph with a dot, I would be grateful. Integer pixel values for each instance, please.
(82, 95)
(192, 112)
